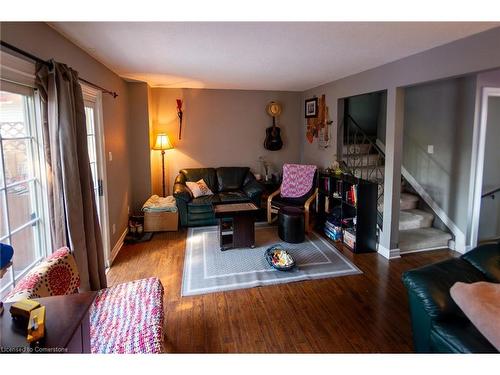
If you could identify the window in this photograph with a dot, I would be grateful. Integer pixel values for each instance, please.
(91, 143)
(95, 141)
(22, 196)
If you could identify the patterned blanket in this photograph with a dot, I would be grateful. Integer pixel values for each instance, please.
(297, 180)
(128, 318)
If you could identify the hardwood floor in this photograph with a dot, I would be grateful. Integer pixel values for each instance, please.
(348, 314)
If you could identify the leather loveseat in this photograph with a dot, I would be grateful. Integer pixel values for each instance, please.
(229, 184)
(439, 326)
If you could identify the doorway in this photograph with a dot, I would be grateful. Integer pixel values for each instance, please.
(95, 142)
(489, 217)
(486, 209)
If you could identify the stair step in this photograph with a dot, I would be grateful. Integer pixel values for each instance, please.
(360, 148)
(361, 160)
(415, 219)
(424, 238)
(408, 201)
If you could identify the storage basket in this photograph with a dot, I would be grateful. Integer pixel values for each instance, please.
(161, 221)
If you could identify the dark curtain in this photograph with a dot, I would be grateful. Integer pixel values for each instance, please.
(72, 208)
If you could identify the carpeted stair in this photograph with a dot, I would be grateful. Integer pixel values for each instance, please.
(416, 231)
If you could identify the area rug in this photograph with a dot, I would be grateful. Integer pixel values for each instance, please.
(209, 270)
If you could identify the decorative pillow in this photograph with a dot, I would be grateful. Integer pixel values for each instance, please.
(56, 275)
(199, 188)
(480, 302)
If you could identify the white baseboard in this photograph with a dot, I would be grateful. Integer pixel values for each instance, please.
(489, 240)
(388, 253)
(116, 249)
(403, 252)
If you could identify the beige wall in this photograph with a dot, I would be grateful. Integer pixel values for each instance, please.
(138, 132)
(220, 128)
(41, 40)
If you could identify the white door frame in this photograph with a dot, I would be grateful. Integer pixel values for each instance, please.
(478, 163)
(95, 96)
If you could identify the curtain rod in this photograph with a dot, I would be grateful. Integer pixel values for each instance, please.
(47, 63)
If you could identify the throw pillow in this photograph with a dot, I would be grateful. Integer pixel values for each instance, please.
(480, 302)
(199, 188)
(56, 275)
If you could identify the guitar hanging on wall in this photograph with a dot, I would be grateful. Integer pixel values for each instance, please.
(273, 140)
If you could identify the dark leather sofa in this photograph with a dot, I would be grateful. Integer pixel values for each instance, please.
(229, 184)
(438, 324)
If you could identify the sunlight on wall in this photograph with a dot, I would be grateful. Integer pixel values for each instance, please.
(219, 128)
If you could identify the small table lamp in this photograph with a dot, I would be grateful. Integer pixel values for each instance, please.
(163, 143)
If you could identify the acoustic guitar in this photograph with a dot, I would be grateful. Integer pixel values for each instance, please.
(273, 140)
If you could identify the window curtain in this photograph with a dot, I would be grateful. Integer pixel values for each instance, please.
(72, 208)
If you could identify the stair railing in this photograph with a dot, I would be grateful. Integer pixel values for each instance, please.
(358, 149)
(491, 193)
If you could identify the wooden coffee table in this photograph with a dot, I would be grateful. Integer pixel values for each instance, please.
(236, 224)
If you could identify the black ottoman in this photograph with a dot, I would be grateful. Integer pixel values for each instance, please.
(291, 224)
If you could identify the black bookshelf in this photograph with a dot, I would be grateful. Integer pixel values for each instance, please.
(349, 205)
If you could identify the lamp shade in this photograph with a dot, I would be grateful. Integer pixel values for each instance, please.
(162, 142)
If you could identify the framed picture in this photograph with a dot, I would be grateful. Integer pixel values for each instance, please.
(311, 107)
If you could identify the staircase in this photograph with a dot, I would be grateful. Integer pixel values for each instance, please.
(363, 158)
(416, 231)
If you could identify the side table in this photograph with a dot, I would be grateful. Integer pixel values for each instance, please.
(67, 326)
(269, 187)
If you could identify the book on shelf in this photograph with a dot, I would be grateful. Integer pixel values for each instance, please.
(330, 224)
(339, 188)
(349, 222)
(349, 237)
(352, 195)
(335, 235)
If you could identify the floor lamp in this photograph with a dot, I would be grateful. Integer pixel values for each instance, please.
(163, 143)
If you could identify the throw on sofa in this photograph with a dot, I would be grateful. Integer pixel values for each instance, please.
(439, 325)
(229, 184)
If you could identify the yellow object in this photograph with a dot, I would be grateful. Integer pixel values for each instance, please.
(23, 308)
(163, 142)
(273, 109)
(36, 324)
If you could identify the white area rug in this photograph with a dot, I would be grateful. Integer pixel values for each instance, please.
(208, 270)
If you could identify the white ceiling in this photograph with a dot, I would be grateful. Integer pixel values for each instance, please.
(255, 56)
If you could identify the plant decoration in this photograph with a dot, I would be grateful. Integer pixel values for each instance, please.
(179, 114)
(336, 166)
(266, 166)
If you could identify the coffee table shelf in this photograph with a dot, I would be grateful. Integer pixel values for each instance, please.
(241, 232)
